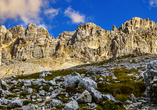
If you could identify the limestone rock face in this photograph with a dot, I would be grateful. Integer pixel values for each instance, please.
(88, 43)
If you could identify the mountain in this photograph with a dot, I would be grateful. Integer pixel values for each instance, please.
(25, 51)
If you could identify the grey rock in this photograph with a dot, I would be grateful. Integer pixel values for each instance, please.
(39, 100)
(38, 82)
(29, 107)
(33, 97)
(86, 83)
(15, 103)
(93, 78)
(16, 90)
(72, 80)
(96, 95)
(72, 105)
(128, 101)
(44, 74)
(85, 97)
(55, 93)
(27, 83)
(133, 98)
(4, 101)
(109, 97)
(51, 88)
(30, 90)
(55, 102)
(52, 82)
(91, 105)
(42, 93)
(101, 79)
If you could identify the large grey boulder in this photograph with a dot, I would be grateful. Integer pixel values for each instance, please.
(85, 97)
(15, 103)
(72, 80)
(72, 105)
(87, 83)
(96, 95)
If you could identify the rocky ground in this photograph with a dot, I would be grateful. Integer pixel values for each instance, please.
(113, 84)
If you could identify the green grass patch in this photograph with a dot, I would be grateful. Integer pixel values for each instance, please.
(26, 102)
(54, 74)
(10, 96)
(122, 90)
(24, 93)
(36, 87)
(3, 108)
(108, 105)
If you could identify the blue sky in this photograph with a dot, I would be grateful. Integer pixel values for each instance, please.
(65, 15)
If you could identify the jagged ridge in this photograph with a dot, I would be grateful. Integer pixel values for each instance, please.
(88, 43)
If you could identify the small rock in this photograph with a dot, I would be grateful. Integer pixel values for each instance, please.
(29, 107)
(27, 83)
(42, 93)
(39, 100)
(55, 93)
(85, 97)
(109, 97)
(47, 98)
(15, 103)
(30, 90)
(56, 102)
(92, 105)
(72, 105)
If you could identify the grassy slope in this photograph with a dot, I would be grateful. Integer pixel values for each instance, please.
(120, 91)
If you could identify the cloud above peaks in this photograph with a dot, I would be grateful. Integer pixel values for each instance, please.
(75, 16)
(51, 12)
(153, 3)
(27, 10)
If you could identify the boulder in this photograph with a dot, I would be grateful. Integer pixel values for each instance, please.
(15, 103)
(109, 97)
(55, 93)
(42, 93)
(72, 80)
(72, 105)
(85, 97)
(28, 107)
(55, 102)
(87, 83)
(97, 96)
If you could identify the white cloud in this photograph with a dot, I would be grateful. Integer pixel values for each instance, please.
(27, 10)
(74, 15)
(153, 3)
(43, 25)
(52, 12)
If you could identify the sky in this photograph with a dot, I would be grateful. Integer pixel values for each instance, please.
(65, 15)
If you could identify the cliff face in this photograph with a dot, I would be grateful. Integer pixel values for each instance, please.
(88, 43)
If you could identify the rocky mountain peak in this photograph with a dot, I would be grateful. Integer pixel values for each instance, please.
(87, 44)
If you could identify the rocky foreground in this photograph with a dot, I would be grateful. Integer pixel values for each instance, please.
(31, 50)
(126, 82)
